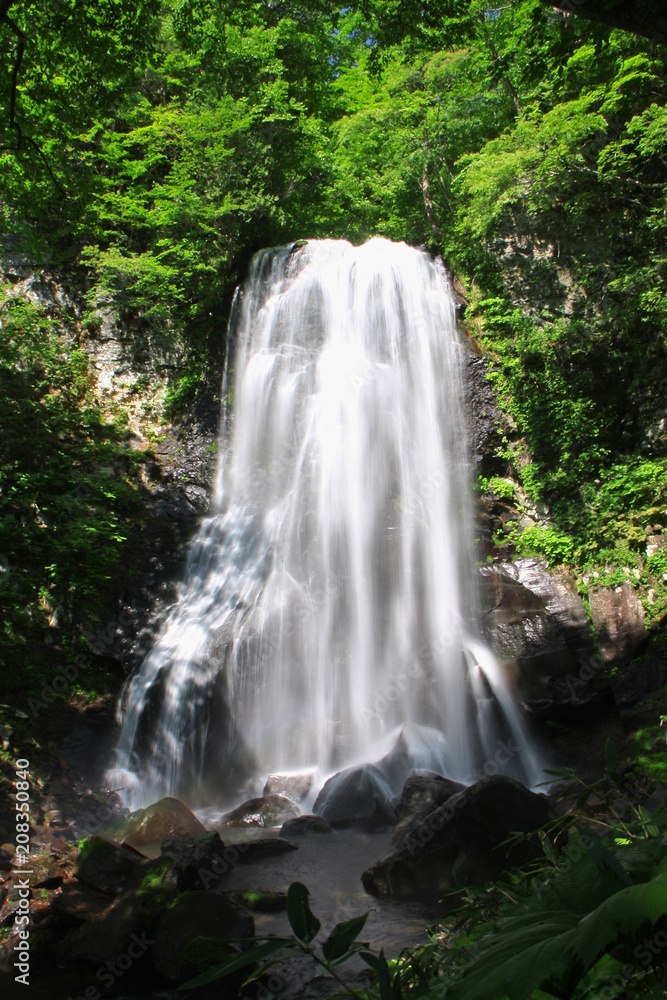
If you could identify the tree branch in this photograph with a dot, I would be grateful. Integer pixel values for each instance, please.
(18, 57)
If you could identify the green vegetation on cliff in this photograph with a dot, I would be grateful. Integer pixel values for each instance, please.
(67, 494)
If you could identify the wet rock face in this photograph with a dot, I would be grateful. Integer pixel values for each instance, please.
(485, 420)
(635, 686)
(536, 623)
(359, 796)
(267, 811)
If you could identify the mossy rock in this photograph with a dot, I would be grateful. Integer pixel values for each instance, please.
(106, 865)
(262, 902)
(202, 953)
(159, 885)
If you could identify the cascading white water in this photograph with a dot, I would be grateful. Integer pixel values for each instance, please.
(329, 598)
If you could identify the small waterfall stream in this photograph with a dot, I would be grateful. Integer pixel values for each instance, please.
(329, 599)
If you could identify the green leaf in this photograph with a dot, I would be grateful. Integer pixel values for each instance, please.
(605, 859)
(384, 977)
(302, 921)
(237, 962)
(547, 947)
(342, 937)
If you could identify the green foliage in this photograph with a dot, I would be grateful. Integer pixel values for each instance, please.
(649, 746)
(548, 941)
(496, 486)
(657, 563)
(584, 918)
(547, 541)
(67, 496)
(196, 136)
(79, 61)
(302, 921)
(180, 394)
(340, 945)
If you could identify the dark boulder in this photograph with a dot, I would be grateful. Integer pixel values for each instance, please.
(194, 934)
(196, 860)
(302, 825)
(105, 935)
(423, 792)
(106, 865)
(77, 902)
(459, 842)
(358, 796)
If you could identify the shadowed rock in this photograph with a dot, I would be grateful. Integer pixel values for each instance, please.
(459, 842)
(359, 796)
(302, 825)
(195, 932)
(106, 865)
(196, 859)
(423, 792)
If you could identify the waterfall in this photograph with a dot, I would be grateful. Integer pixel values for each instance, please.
(329, 599)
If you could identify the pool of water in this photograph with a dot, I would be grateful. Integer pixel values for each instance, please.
(330, 866)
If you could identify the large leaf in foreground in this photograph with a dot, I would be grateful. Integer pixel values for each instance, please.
(342, 937)
(554, 949)
(302, 920)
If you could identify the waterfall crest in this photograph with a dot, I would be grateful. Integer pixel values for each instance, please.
(329, 598)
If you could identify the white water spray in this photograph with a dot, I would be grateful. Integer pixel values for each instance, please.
(329, 599)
